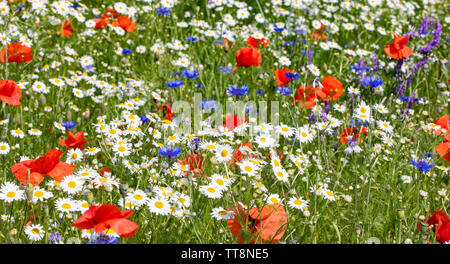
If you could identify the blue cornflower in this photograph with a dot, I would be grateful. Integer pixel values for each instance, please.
(101, 239)
(144, 118)
(358, 68)
(55, 238)
(238, 92)
(283, 90)
(357, 123)
(422, 165)
(199, 86)
(288, 43)
(225, 69)
(20, 7)
(291, 75)
(277, 29)
(126, 51)
(195, 143)
(174, 84)
(372, 81)
(300, 31)
(189, 73)
(406, 99)
(260, 92)
(69, 125)
(163, 11)
(170, 152)
(208, 104)
(219, 41)
(192, 39)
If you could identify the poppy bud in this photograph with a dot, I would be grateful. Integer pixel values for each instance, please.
(123, 188)
(90, 197)
(29, 191)
(18, 120)
(69, 115)
(102, 109)
(401, 212)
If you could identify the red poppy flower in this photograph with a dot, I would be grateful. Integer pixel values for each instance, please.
(10, 92)
(280, 76)
(332, 89)
(48, 165)
(443, 123)
(441, 219)
(101, 23)
(105, 170)
(111, 13)
(66, 30)
(195, 162)
(444, 149)
(16, 52)
(73, 141)
(238, 155)
(265, 225)
(397, 49)
(306, 96)
(107, 216)
(257, 43)
(125, 23)
(354, 132)
(317, 35)
(232, 121)
(169, 113)
(247, 57)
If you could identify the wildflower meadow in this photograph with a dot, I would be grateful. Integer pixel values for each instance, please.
(224, 122)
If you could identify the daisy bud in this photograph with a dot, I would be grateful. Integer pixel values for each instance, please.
(42, 100)
(86, 114)
(108, 187)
